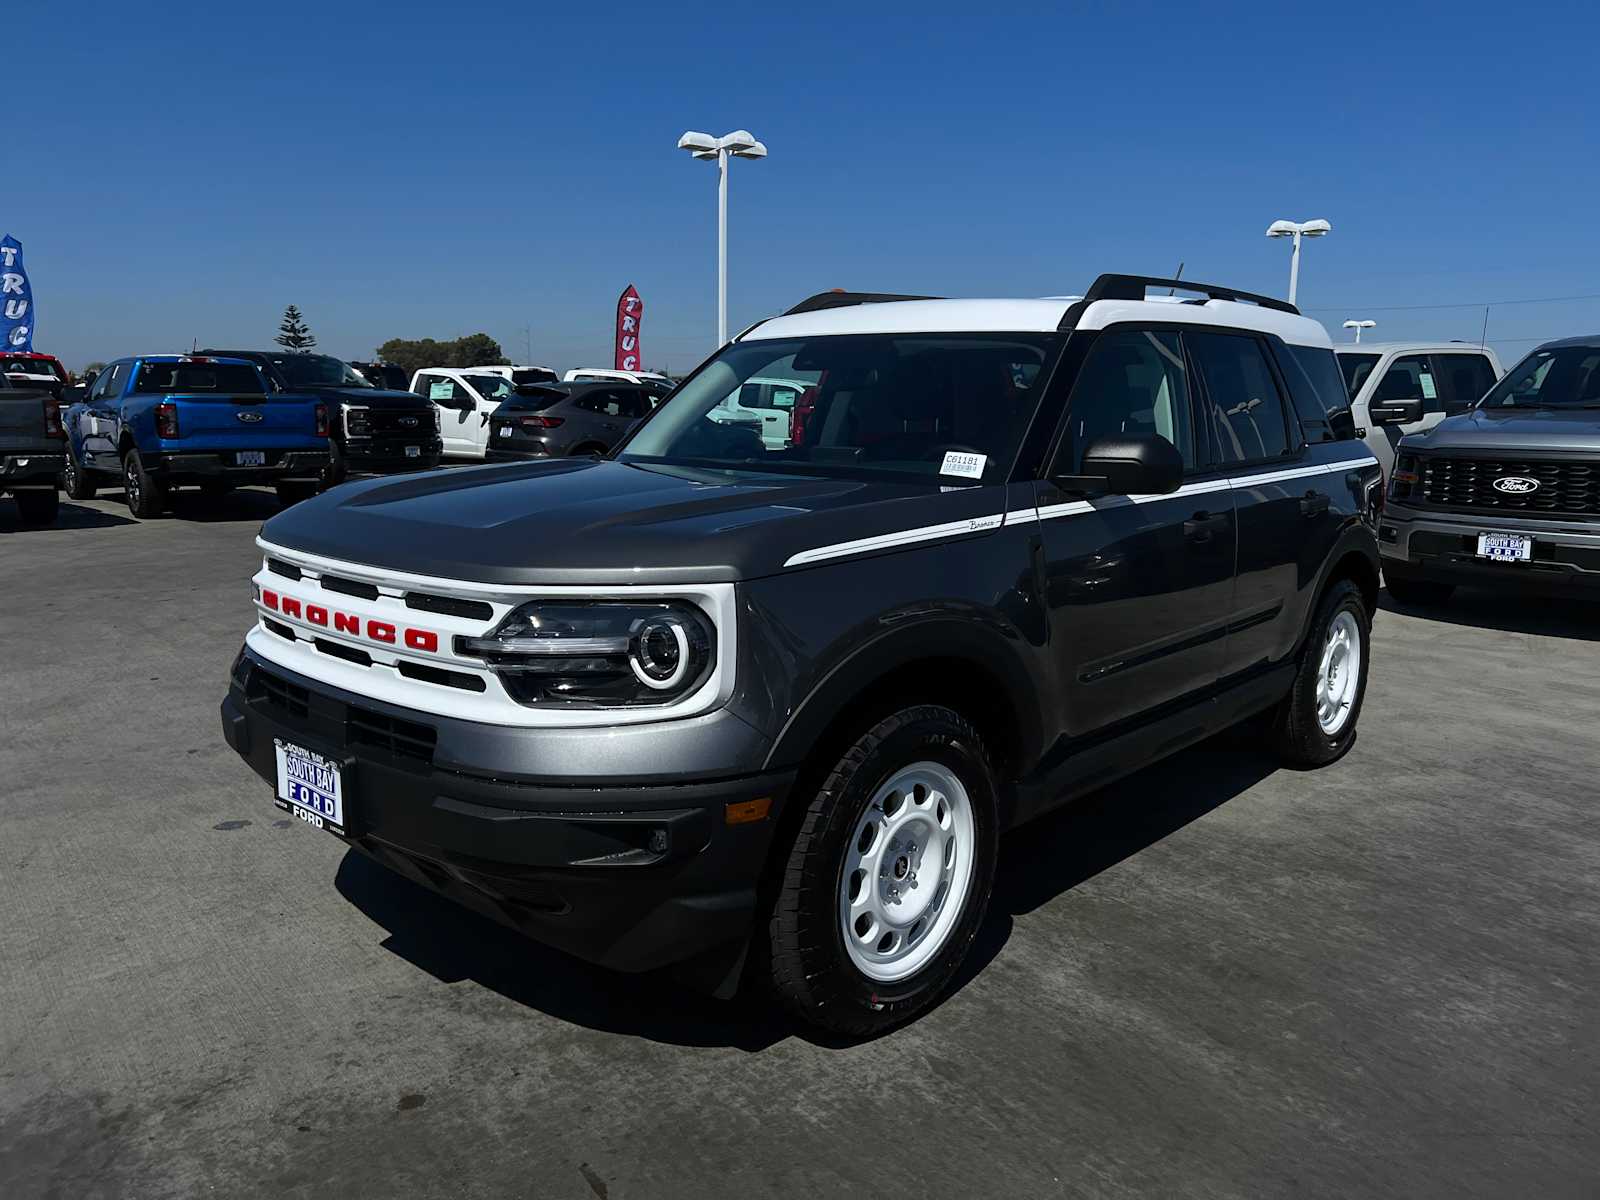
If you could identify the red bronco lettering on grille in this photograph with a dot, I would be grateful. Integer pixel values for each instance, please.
(424, 640)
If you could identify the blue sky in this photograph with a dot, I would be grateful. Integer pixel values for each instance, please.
(409, 170)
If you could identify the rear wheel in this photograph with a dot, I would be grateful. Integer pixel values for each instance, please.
(75, 480)
(889, 877)
(37, 508)
(292, 491)
(147, 497)
(1317, 722)
(1418, 592)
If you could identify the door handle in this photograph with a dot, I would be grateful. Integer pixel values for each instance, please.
(1313, 504)
(1202, 525)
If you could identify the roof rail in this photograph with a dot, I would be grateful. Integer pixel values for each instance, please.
(840, 299)
(1133, 287)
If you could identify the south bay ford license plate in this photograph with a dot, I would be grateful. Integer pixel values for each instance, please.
(250, 458)
(1505, 547)
(310, 786)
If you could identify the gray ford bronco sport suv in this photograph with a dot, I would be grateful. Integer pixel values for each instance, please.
(1505, 496)
(761, 712)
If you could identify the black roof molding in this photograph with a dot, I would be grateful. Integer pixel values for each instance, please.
(1133, 287)
(824, 300)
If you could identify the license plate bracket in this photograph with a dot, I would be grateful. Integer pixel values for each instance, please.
(1505, 547)
(250, 458)
(413, 451)
(313, 786)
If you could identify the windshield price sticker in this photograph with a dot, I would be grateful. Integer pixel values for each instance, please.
(962, 465)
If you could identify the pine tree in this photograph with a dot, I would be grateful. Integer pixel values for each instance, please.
(293, 334)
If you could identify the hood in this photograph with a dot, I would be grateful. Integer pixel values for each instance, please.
(371, 397)
(1572, 430)
(593, 521)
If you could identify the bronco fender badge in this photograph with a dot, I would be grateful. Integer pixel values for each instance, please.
(1516, 485)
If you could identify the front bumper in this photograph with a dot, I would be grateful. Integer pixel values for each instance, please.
(632, 876)
(179, 466)
(19, 472)
(1438, 547)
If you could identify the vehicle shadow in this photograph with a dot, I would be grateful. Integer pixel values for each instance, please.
(1038, 863)
(243, 504)
(1507, 613)
(71, 516)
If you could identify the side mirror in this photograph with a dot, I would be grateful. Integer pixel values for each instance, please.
(88, 379)
(1128, 464)
(1396, 412)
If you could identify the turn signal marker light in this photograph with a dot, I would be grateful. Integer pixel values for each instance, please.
(744, 812)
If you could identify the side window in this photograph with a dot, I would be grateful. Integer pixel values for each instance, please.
(109, 385)
(1317, 388)
(1410, 377)
(1466, 378)
(1133, 382)
(635, 403)
(444, 390)
(1244, 415)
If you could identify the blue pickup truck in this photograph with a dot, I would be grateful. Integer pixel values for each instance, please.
(168, 420)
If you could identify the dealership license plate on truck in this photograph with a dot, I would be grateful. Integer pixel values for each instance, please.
(310, 786)
(413, 451)
(1505, 547)
(250, 458)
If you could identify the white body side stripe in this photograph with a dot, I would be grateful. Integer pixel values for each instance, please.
(1018, 516)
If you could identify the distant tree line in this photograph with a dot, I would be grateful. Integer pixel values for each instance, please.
(474, 350)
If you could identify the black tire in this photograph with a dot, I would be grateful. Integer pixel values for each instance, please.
(292, 491)
(811, 969)
(75, 481)
(1417, 593)
(337, 470)
(36, 508)
(1296, 734)
(147, 496)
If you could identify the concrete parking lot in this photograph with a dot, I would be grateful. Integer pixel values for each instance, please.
(1216, 979)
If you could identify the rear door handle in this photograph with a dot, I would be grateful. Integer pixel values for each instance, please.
(1202, 525)
(1313, 504)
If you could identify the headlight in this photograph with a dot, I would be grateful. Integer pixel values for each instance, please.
(554, 653)
(357, 421)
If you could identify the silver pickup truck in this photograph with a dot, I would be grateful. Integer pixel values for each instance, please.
(31, 451)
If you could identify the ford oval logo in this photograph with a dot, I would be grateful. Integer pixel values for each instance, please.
(250, 418)
(1516, 485)
(408, 422)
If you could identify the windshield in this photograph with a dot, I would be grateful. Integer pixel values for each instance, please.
(949, 408)
(1564, 377)
(316, 370)
(1356, 368)
(232, 378)
(32, 366)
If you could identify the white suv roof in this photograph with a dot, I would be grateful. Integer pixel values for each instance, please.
(835, 314)
(1413, 347)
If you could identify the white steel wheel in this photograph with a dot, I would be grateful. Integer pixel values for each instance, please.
(1338, 673)
(907, 872)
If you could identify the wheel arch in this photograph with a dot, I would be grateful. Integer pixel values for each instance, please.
(1355, 558)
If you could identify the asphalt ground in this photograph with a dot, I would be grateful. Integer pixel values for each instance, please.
(1218, 978)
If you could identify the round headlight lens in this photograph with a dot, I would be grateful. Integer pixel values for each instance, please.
(660, 654)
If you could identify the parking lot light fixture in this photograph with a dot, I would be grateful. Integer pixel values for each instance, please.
(741, 143)
(1358, 326)
(1297, 230)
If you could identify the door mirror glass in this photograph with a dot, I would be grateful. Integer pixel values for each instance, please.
(1396, 412)
(1128, 464)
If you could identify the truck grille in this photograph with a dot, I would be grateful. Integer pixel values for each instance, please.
(386, 421)
(1448, 482)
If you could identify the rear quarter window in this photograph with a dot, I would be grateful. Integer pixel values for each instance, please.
(1317, 387)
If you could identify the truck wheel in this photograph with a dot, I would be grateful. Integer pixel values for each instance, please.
(36, 508)
(1418, 593)
(146, 496)
(337, 470)
(889, 877)
(1317, 722)
(292, 491)
(75, 481)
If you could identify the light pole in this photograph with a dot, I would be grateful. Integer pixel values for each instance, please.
(1358, 326)
(1297, 230)
(738, 144)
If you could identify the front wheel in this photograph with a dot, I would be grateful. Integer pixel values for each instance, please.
(1317, 722)
(75, 481)
(37, 508)
(887, 881)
